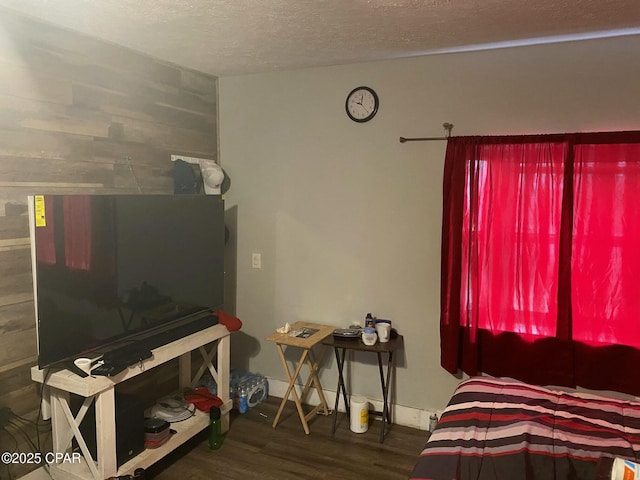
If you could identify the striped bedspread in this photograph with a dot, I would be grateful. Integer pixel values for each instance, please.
(498, 429)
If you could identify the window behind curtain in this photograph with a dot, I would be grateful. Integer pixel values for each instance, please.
(605, 263)
(511, 228)
(541, 258)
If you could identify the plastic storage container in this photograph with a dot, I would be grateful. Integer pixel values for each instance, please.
(369, 336)
(156, 432)
(359, 414)
(625, 470)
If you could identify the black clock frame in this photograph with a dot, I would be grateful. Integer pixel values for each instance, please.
(376, 103)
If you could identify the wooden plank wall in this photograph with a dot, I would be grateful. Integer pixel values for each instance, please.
(78, 115)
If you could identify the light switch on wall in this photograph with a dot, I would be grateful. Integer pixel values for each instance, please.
(256, 260)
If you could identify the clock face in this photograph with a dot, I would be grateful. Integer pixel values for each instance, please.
(362, 104)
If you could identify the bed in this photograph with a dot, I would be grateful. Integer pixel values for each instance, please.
(504, 429)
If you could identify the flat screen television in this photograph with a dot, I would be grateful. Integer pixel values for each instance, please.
(111, 267)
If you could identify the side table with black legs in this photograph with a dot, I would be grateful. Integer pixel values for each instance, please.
(340, 347)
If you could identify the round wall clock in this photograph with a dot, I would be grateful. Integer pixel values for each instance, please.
(362, 104)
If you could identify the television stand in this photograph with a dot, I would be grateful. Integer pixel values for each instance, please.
(61, 383)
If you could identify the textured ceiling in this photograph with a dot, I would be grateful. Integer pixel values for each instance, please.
(230, 37)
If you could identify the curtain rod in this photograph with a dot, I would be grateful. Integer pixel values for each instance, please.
(447, 133)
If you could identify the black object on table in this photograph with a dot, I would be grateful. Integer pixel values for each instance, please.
(135, 351)
(340, 347)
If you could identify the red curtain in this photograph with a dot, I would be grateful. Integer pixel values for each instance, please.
(539, 259)
(77, 231)
(79, 254)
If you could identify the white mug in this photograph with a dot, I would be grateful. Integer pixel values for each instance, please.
(384, 331)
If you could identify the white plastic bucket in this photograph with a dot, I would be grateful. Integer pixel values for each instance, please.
(625, 470)
(359, 413)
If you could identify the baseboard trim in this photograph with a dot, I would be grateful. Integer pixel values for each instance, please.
(400, 414)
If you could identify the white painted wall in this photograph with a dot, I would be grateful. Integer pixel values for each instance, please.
(348, 220)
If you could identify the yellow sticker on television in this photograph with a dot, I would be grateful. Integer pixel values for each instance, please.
(40, 214)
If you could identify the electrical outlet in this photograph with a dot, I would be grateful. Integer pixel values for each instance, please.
(256, 260)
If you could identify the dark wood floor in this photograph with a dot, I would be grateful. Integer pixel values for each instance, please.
(252, 449)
